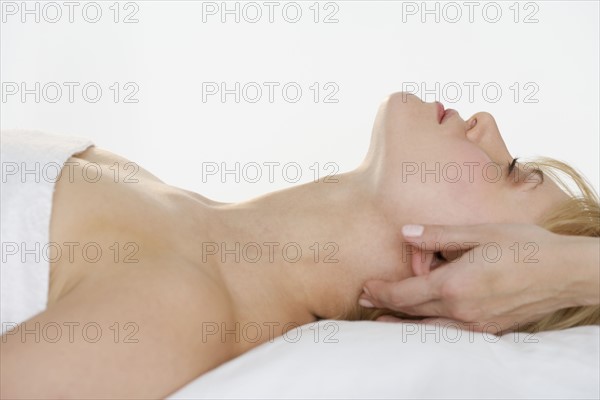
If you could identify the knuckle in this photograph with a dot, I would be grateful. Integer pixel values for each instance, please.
(396, 298)
(451, 290)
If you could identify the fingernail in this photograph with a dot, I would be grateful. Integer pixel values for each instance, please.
(365, 303)
(473, 123)
(412, 230)
(367, 291)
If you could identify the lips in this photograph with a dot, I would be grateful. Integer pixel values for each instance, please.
(440, 111)
(444, 114)
(449, 112)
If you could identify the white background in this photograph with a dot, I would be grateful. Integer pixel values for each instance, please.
(373, 49)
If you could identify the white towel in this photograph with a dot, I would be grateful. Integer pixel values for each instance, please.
(31, 162)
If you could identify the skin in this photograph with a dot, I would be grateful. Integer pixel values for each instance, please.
(548, 273)
(176, 289)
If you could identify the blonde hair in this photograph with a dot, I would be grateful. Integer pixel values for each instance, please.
(578, 216)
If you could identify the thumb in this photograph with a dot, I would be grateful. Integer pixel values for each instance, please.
(405, 293)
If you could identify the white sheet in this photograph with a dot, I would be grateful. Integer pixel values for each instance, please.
(386, 360)
(31, 164)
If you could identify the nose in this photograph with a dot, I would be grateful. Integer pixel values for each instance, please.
(485, 134)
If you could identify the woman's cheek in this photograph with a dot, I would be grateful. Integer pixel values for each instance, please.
(466, 201)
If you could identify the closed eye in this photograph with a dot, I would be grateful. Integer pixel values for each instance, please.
(530, 168)
(511, 166)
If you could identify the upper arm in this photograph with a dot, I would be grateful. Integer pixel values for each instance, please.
(118, 335)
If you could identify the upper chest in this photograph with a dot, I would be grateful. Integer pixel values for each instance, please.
(109, 213)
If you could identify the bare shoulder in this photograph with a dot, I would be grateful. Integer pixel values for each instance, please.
(117, 210)
(115, 167)
(138, 331)
(97, 184)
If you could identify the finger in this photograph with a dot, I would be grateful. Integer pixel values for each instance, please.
(420, 261)
(405, 293)
(447, 323)
(434, 308)
(439, 237)
(438, 322)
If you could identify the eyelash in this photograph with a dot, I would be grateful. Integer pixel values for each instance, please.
(511, 166)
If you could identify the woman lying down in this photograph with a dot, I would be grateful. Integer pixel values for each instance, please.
(200, 271)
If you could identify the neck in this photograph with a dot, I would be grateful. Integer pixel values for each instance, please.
(304, 253)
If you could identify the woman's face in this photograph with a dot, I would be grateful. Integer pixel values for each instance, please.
(431, 167)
